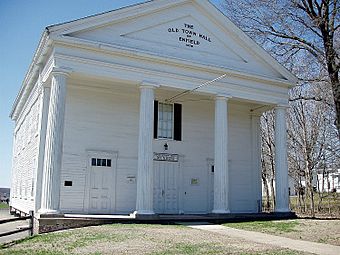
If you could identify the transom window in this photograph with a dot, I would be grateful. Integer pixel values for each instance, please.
(101, 162)
(165, 120)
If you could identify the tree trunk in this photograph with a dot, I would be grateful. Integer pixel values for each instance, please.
(272, 189)
(266, 190)
(336, 95)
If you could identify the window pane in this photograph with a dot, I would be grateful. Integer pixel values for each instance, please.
(99, 162)
(103, 162)
(108, 162)
(165, 123)
(93, 163)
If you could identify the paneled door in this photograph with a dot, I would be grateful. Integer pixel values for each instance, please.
(102, 182)
(166, 187)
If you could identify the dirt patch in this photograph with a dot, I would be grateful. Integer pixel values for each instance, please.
(139, 239)
(322, 231)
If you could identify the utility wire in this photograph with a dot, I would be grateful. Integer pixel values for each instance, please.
(171, 99)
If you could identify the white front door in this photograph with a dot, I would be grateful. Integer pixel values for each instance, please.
(166, 187)
(101, 183)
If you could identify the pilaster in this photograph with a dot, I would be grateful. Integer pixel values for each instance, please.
(43, 114)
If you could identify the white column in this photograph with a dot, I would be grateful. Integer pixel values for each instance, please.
(281, 164)
(144, 203)
(221, 172)
(50, 195)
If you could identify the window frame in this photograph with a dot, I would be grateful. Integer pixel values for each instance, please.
(172, 122)
(176, 122)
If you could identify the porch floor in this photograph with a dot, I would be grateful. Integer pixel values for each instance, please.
(168, 218)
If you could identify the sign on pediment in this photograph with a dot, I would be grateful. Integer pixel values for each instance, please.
(189, 35)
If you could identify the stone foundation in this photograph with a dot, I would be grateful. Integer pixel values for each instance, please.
(45, 225)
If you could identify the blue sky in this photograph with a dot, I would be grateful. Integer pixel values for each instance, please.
(21, 24)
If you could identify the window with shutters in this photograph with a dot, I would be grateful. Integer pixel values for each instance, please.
(167, 121)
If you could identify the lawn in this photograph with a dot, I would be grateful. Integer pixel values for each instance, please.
(138, 239)
(322, 231)
(4, 206)
(270, 227)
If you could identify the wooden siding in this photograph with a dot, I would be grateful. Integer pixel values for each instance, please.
(107, 120)
(25, 154)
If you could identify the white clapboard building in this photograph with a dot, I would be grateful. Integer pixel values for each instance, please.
(149, 109)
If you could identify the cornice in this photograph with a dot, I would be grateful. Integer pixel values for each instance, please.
(31, 75)
(149, 56)
(187, 82)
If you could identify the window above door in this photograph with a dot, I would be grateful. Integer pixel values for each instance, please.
(100, 162)
(167, 121)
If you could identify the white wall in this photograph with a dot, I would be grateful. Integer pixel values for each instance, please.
(107, 120)
(25, 155)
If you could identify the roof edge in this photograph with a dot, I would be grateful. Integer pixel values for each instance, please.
(31, 72)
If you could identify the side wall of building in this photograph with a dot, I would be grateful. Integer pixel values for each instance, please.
(25, 154)
(107, 120)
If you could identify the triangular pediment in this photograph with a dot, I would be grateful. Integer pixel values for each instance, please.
(183, 29)
(186, 35)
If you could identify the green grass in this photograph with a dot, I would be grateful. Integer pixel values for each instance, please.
(30, 252)
(62, 243)
(191, 249)
(266, 226)
(4, 206)
(279, 252)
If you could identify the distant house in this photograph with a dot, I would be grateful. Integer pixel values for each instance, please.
(4, 194)
(102, 125)
(292, 189)
(328, 181)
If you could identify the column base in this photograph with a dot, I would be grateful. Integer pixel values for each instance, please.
(145, 215)
(144, 212)
(49, 212)
(220, 211)
(282, 210)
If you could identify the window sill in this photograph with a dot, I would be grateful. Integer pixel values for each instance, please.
(166, 140)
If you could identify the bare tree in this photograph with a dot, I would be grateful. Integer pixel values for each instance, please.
(267, 158)
(294, 28)
(304, 36)
(307, 129)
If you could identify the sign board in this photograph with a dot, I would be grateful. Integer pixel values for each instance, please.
(165, 157)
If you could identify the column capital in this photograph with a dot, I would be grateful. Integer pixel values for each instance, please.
(61, 71)
(281, 106)
(221, 96)
(256, 114)
(148, 84)
(43, 86)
